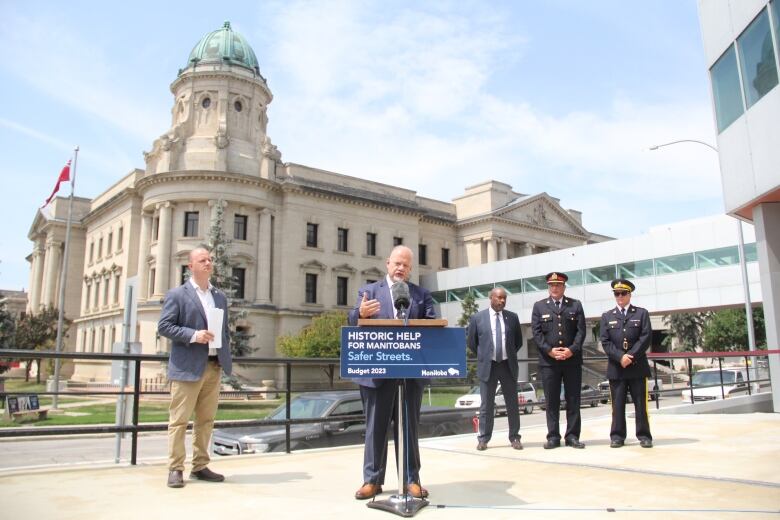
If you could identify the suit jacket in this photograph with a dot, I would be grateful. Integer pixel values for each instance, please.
(480, 341)
(420, 307)
(635, 329)
(182, 315)
(554, 328)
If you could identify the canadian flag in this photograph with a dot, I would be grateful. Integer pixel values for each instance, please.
(64, 177)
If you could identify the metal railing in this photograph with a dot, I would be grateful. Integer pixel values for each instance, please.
(135, 427)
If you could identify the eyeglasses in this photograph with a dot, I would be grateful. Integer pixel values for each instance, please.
(620, 293)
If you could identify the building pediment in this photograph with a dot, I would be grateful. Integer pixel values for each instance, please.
(313, 265)
(541, 211)
(344, 268)
(372, 272)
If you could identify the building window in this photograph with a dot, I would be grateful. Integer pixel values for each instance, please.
(725, 89)
(184, 273)
(368, 281)
(109, 243)
(117, 280)
(398, 241)
(96, 300)
(113, 339)
(84, 341)
(87, 291)
(343, 239)
(91, 252)
(371, 244)
(445, 258)
(239, 277)
(191, 223)
(106, 288)
(100, 248)
(311, 288)
(342, 283)
(155, 228)
(102, 339)
(311, 234)
(757, 59)
(239, 227)
(152, 273)
(422, 253)
(92, 341)
(119, 236)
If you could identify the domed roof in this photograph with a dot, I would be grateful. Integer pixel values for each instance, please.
(224, 46)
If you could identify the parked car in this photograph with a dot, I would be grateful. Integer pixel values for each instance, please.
(588, 396)
(734, 383)
(526, 398)
(327, 405)
(652, 390)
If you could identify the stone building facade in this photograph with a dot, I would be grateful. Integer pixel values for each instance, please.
(304, 239)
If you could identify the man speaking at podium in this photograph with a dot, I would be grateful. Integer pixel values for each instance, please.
(379, 300)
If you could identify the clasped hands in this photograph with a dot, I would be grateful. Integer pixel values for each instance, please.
(561, 353)
(626, 360)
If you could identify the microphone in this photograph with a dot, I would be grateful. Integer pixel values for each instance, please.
(401, 296)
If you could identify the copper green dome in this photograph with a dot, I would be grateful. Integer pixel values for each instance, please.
(224, 46)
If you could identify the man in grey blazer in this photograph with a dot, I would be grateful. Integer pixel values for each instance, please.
(379, 395)
(494, 336)
(194, 369)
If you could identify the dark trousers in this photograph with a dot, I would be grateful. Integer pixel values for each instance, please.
(487, 391)
(380, 405)
(571, 376)
(619, 389)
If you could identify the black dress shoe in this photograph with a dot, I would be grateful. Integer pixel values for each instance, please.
(207, 475)
(575, 443)
(175, 479)
(616, 443)
(481, 446)
(550, 444)
(517, 445)
(646, 443)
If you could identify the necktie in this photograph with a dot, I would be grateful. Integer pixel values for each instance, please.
(623, 312)
(497, 340)
(558, 305)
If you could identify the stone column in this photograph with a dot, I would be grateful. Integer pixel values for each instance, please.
(51, 271)
(502, 249)
(263, 293)
(491, 250)
(143, 253)
(163, 265)
(528, 249)
(37, 273)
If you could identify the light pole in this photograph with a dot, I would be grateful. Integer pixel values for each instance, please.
(741, 248)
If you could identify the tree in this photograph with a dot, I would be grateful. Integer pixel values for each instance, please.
(726, 330)
(469, 308)
(222, 278)
(7, 333)
(686, 327)
(320, 339)
(38, 332)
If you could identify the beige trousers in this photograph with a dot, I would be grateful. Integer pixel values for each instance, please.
(201, 397)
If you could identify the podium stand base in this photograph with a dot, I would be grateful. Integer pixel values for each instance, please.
(402, 505)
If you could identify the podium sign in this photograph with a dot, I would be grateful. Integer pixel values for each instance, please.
(403, 352)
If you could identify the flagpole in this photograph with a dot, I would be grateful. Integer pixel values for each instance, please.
(63, 279)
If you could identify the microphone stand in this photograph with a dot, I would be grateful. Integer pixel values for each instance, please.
(402, 504)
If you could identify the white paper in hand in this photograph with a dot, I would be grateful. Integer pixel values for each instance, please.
(215, 318)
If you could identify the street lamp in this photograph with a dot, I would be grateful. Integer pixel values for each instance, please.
(741, 248)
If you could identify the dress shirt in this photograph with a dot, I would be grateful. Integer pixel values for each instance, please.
(207, 300)
(493, 332)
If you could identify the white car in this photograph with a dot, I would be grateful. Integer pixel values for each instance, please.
(526, 397)
(734, 383)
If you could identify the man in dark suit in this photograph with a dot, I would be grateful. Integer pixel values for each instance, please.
(494, 336)
(194, 369)
(379, 395)
(625, 336)
(558, 325)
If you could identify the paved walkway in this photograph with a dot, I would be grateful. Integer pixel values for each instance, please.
(714, 466)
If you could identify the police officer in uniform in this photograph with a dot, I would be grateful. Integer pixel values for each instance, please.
(558, 326)
(625, 336)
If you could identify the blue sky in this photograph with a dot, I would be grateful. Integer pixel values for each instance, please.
(563, 97)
